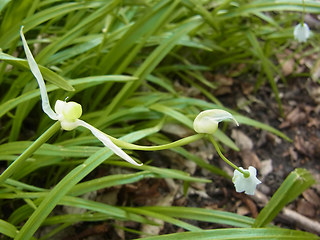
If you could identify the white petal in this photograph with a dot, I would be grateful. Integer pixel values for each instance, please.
(68, 125)
(220, 115)
(58, 107)
(107, 142)
(36, 72)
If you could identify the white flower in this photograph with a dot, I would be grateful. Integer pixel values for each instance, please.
(207, 121)
(68, 113)
(246, 184)
(301, 32)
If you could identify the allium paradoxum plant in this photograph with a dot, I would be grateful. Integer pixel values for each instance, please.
(302, 32)
(207, 122)
(68, 113)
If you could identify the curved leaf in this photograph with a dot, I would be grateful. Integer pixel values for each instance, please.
(239, 233)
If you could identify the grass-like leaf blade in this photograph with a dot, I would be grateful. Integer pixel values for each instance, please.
(297, 181)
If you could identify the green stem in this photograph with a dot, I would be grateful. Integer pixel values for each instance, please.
(216, 146)
(18, 163)
(303, 13)
(177, 143)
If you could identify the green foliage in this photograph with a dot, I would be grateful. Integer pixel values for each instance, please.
(204, 215)
(122, 61)
(8, 229)
(239, 233)
(297, 181)
(47, 73)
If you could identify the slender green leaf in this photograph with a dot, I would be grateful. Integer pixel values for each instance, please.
(267, 65)
(47, 73)
(164, 217)
(152, 61)
(163, 172)
(3, 4)
(222, 137)
(84, 24)
(239, 233)
(59, 191)
(42, 16)
(112, 211)
(108, 181)
(172, 113)
(251, 122)
(87, 81)
(8, 229)
(204, 215)
(297, 181)
(273, 5)
(150, 21)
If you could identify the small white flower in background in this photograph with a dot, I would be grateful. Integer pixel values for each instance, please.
(246, 184)
(301, 32)
(207, 121)
(68, 113)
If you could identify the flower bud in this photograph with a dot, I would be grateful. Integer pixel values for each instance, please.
(207, 121)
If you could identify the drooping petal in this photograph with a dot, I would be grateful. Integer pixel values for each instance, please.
(207, 121)
(243, 184)
(36, 72)
(107, 142)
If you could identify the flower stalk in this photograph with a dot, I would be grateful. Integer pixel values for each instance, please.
(304, 12)
(246, 174)
(301, 31)
(178, 143)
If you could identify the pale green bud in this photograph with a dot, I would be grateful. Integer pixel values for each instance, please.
(207, 121)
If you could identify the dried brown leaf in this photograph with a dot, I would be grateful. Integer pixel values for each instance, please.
(312, 197)
(266, 167)
(250, 158)
(303, 146)
(242, 140)
(295, 117)
(306, 208)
